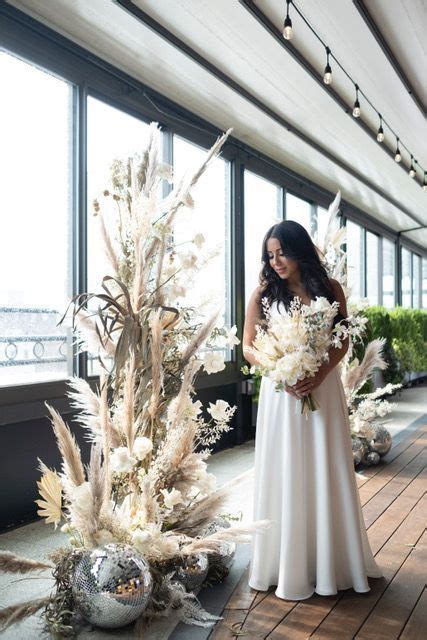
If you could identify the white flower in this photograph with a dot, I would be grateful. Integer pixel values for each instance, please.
(232, 338)
(199, 240)
(177, 291)
(121, 461)
(188, 260)
(103, 537)
(140, 539)
(219, 411)
(213, 362)
(206, 482)
(82, 496)
(142, 447)
(172, 497)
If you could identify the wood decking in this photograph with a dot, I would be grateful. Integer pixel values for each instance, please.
(394, 500)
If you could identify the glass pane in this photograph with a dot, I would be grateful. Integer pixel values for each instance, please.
(322, 223)
(36, 228)
(372, 267)
(210, 287)
(424, 283)
(388, 273)
(355, 260)
(406, 278)
(300, 211)
(262, 211)
(112, 135)
(416, 260)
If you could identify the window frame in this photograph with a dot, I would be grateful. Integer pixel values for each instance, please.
(39, 45)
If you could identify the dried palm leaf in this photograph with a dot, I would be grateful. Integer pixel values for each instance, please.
(50, 490)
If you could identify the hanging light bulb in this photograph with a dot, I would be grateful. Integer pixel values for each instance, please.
(397, 155)
(380, 133)
(327, 75)
(356, 106)
(287, 27)
(425, 182)
(412, 172)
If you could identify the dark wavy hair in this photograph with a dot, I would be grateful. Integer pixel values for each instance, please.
(297, 245)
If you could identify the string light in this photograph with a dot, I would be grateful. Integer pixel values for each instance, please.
(327, 75)
(397, 155)
(356, 106)
(287, 26)
(356, 111)
(380, 133)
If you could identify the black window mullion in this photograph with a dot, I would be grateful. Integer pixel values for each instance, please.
(79, 240)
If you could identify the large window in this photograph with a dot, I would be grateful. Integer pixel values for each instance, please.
(372, 268)
(388, 273)
(36, 228)
(406, 278)
(355, 262)
(262, 210)
(209, 288)
(424, 283)
(112, 135)
(300, 211)
(322, 216)
(416, 281)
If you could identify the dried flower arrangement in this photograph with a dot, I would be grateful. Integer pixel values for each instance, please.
(370, 438)
(146, 489)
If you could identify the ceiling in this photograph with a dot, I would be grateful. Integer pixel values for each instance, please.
(324, 143)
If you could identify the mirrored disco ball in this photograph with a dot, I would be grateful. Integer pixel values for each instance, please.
(371, 458)
(112, 585)
(359, 449)
(223, 560)
(193, 571)
(216, 525)
(381, 440)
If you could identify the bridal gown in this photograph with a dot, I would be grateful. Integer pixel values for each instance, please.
(304, 482)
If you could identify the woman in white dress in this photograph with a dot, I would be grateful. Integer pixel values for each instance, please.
(304, 479)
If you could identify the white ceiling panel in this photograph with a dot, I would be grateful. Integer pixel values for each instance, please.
(227, 35)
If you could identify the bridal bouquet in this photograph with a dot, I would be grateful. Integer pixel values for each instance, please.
(295, 344)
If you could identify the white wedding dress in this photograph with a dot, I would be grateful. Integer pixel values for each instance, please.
(304, 482)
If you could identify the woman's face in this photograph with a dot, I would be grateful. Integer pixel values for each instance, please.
(284, 267)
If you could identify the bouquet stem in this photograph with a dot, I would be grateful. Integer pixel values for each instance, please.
(309, 403)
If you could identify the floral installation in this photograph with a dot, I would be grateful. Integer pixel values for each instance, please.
(365, 410)
(294, 344)
(146, 485)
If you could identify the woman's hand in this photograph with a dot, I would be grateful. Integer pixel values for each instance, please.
(307, 385)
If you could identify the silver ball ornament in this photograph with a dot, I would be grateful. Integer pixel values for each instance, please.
(381, 440)
(112, 585)
(359, 448)
(371, 458)
(192, 571)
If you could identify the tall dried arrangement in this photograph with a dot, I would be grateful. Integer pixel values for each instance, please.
(147, 483)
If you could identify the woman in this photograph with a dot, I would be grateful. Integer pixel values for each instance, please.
(304, 473)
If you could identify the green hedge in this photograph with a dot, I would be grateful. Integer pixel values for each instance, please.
(406, 333)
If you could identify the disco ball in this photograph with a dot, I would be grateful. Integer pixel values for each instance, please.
(192, 571)
(381, 440)
(371, 458)
(359, 449)
(112, 585)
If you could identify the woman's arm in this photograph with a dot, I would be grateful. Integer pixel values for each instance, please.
(335, 354)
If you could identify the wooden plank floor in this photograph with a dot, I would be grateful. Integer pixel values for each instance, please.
(394, 500)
